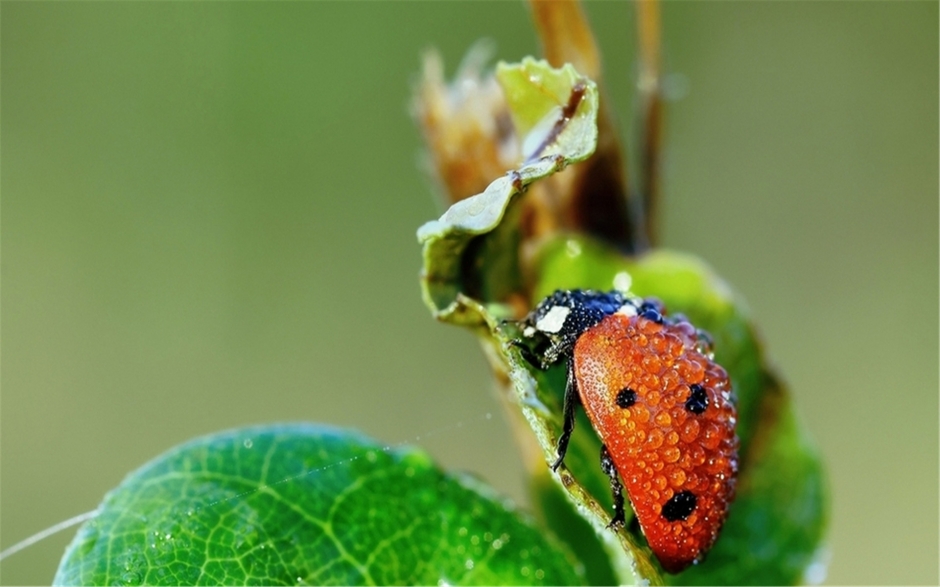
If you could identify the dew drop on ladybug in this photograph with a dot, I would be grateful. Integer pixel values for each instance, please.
(660, 405)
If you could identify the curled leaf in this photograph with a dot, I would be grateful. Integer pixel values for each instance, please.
(553, 110)
(556, 110)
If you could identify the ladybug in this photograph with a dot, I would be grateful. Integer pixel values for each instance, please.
(659, 403)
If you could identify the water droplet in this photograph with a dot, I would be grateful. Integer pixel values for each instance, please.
(655, 438)
(130, 578)
(690, 430)
(640, 413)
(677, 477)
(622, 281)
(660, 482)
(815, 573)
(371, 456)
(469, 564)
(248, 443)
(573, 248)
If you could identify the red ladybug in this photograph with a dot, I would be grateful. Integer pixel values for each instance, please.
(661, 406)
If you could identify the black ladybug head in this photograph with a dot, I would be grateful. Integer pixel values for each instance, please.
(568, 313)
(555, 325)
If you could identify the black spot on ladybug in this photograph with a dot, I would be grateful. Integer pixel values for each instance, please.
(626, 397)
(650, 312)
(679, 506)
(698, 399)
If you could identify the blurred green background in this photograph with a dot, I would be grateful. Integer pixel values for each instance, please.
(209, 214)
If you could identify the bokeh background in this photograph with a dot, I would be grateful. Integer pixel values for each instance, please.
(209, 214)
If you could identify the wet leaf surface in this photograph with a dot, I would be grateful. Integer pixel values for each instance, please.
(303, 504)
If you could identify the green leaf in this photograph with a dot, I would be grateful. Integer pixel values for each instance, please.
(302, 504)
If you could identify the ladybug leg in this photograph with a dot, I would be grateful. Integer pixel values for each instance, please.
(529, 355)
(572, 401)
(616, 487)
(560, 349)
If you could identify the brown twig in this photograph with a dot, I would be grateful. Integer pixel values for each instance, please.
(651, 114)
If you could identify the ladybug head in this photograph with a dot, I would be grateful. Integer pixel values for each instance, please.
(566, 314)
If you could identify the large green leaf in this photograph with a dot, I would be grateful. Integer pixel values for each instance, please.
(302, 504)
